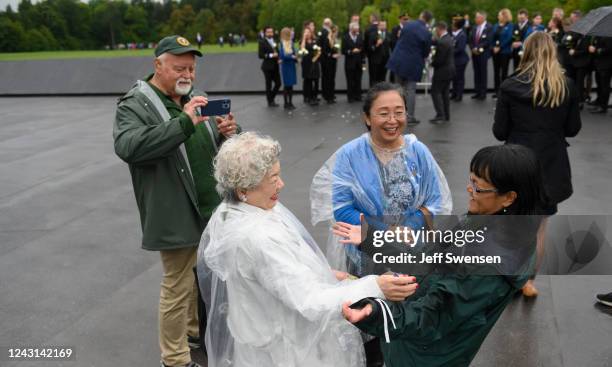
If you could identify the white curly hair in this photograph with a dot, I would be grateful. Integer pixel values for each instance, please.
(243, 161)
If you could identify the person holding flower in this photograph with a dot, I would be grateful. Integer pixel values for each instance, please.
(310, 53)
(502, 47)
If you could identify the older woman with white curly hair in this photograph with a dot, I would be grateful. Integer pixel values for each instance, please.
(272, 298)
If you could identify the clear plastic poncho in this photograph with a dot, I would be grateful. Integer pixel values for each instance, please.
(388, 186)
(271, 296)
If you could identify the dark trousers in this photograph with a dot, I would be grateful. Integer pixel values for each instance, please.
(272, 76)
(353, 83)
(581, 76)
(328, 79)
(501, 63)
(310, 89)
(516, 59)
(603, 87)
(379, 72)
(371, 72)
(480, 75)
(440, 96)
(570, 71)
(459, 80)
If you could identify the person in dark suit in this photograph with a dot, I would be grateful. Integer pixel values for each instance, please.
(581, 60)
(370, 36)
(443, 63)
(353, 50)
(601, 49)
(269, 54)
(379, 53)
(408, 59)
(461, 59)
(394, 37)
(538, 108)
(328, 62)
(519, 34)
(502, 47)
(480, 44)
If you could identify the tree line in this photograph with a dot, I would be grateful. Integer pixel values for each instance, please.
(99, 24)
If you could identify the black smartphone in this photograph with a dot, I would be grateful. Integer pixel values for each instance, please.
(216, 107)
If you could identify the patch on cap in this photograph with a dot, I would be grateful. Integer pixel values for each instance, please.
(182, 41)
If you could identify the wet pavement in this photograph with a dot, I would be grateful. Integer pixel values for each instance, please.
(72, 271)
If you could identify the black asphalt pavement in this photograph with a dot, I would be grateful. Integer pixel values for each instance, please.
(72, 271)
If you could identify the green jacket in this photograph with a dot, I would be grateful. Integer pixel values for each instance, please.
(445, 322)
(158, 146)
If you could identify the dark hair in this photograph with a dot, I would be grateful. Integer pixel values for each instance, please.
(426, 15)
(537, 14)
(523, 11)
(577, 13)
(512, 167)
(558, 23)
(268, 27)
(376, 90)
(441, 25)
(458, 23)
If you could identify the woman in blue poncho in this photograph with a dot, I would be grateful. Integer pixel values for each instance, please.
(389, 177)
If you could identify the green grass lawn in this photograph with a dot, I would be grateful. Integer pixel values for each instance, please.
(46, 55)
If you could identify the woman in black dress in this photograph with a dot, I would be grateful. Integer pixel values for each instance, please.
(310, 53)
(538, 108)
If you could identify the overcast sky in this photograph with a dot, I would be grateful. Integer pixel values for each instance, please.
(14, 3)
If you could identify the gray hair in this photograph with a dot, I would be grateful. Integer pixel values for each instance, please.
(353, 25)
(243, 161)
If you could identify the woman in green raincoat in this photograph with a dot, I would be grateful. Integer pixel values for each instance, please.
(447, 320)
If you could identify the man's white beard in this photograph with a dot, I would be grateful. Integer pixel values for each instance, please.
(182, 90)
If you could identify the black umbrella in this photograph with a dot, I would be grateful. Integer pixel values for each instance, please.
(598, 22)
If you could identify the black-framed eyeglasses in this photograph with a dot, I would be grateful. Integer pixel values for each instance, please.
(477, 189)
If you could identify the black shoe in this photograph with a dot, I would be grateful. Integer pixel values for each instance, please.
(412, 122)
(438, 121)
(193, 341)
(291, 106)
(314, 102)
(457, 99)
(481, 98)
(599, 110)
(605, 299)
(494, 96)
(593, 103)
(331, 101)
(273, 104)
(475, 96)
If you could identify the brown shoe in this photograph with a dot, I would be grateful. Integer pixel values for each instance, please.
(529, 290)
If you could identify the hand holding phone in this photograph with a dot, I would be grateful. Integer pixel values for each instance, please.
(216, 107)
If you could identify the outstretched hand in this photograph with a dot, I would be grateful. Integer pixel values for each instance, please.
(350, 233)
(354, 316)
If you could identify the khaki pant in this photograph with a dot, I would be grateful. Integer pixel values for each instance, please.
(178, 314)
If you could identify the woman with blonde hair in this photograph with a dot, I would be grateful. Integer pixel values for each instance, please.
(311, 69)
(288, 59)
(538, 108)
(502, 47)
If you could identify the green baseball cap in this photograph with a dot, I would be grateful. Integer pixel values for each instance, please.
(175, 45)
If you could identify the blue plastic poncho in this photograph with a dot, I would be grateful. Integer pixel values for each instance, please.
(388, 186)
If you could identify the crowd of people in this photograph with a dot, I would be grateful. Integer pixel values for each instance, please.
(432, 52)
(208, 195)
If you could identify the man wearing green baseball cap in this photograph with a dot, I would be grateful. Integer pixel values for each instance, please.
(170, 148)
